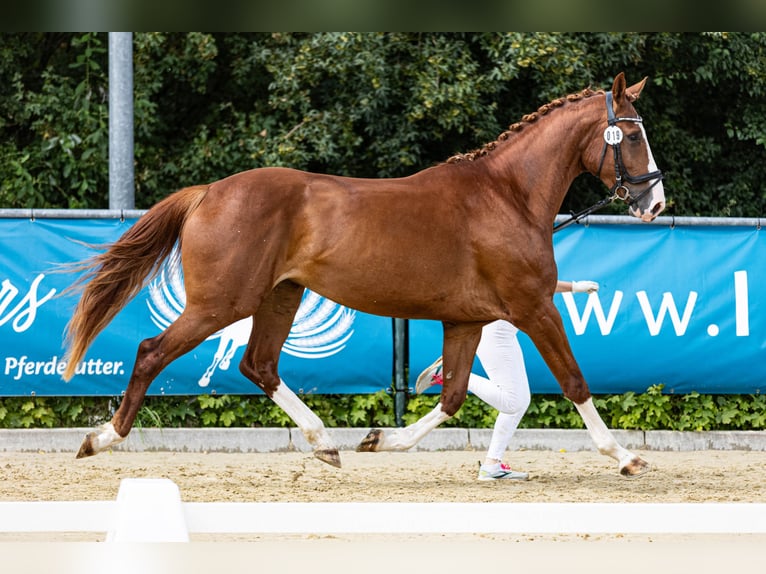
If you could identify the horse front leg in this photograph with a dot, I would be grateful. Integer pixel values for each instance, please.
(460, 343)
(547, 333)
(630, 465)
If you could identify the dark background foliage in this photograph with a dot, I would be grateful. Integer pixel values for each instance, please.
(370, 105)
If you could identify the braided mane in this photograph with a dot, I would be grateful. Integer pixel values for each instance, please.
(518, 126)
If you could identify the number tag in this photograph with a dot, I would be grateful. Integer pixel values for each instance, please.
(613, 135)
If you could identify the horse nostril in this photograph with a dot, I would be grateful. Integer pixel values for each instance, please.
(658, 207)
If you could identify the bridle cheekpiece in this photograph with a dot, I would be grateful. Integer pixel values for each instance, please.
(613, 137)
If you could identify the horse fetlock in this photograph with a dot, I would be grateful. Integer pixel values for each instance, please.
(612, 449)
(98, 440)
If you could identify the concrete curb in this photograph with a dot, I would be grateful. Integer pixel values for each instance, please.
(255, 440)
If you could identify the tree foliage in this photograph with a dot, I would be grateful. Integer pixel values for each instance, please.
(370, 105)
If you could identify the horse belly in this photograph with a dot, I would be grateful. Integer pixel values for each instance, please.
(401, 292)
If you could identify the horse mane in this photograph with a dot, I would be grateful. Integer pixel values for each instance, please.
(518, 126)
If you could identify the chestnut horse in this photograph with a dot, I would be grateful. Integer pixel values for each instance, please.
(465, 242)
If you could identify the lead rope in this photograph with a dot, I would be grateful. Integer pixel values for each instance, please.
(575, 217)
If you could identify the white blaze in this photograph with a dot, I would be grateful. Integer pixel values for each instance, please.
(658, 191)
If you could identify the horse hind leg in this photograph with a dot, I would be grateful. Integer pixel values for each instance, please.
(153, 355)
(460, 343)
(404, 438)
(271, 326)
(308, 422)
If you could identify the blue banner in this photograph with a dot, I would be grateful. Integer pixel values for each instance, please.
(331, 349)
(681, 306)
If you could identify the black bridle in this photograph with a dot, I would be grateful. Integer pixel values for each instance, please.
(620, 189)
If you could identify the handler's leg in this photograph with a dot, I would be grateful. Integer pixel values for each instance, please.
(506, 389)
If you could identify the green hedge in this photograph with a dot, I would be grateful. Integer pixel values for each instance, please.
(643, 411)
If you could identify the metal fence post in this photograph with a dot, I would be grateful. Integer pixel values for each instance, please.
(401, 361)
(121, 186)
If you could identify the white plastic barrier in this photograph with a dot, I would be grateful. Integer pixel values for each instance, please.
(151, 510)
(148, 510)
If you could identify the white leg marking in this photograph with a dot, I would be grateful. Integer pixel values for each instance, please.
(407, 437)
(310, 424)
(104, 437)
(601, 435)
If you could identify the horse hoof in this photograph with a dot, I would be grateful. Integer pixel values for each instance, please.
(636, 467)
(99, 439)
(371, 441)
(330, 456)
(86, 448)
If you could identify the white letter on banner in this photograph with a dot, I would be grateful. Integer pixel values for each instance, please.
(7, 294)
(23, 318)
(668, 305)
(741, 304)
(593, 304)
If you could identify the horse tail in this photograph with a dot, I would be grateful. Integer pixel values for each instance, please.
(115, 276)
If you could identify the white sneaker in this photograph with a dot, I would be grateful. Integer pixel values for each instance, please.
(500, 471)
(432, 375)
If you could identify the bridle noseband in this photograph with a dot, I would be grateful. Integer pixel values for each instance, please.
(620, 190)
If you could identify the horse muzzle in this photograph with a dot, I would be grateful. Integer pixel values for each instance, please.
(651, 206)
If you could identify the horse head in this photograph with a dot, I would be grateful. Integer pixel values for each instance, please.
(625, 162)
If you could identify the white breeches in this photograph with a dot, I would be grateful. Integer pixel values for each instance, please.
(507, 388)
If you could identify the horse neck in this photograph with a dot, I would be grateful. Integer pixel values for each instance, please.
(539, 163)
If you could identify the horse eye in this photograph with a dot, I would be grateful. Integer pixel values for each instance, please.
(634, 137)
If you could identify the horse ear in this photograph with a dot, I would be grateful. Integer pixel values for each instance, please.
(618, 87)
(635, 90)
